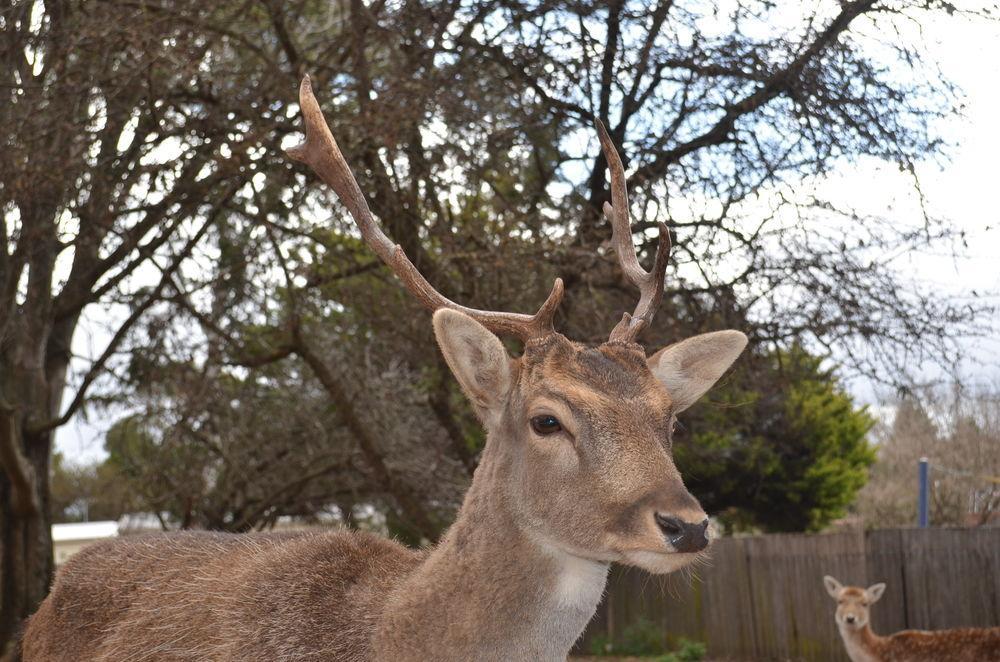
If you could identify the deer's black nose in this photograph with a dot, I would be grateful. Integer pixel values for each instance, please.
(849, 619)
(684, 536)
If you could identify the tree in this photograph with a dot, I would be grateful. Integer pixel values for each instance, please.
(477, 185)
(206, 449)
(115, 162)
(85, 492)
(958, 430)
(780, 447)
(142, 177)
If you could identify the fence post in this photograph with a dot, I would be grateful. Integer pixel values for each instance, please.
(922, 467)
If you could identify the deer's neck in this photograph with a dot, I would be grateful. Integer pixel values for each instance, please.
(490, 591)
(861, 645)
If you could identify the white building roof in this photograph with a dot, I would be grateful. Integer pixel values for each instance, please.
(84, 531)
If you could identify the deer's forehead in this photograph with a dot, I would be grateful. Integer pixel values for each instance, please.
(592, 377)
(852, 593)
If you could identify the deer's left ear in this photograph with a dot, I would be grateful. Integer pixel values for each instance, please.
(875, 592)
(689, 368)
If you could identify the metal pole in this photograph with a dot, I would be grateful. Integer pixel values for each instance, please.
(922, 467)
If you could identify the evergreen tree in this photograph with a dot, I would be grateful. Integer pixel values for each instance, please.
(780, 447)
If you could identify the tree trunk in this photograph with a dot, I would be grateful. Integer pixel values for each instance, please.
(26, 563)
(34, 377)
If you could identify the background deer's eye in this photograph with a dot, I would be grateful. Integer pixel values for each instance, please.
(546, 424)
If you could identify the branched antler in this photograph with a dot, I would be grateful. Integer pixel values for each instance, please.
(320, 152)
(650, 283)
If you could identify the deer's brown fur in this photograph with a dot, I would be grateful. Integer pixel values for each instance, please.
(863, 645)
(517, 577)
(520, 572)
(208, 596)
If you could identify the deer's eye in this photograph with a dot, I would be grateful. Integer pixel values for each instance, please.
(546, 424)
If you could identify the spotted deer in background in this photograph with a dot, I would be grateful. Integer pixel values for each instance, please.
(576, 474)
(863, 645)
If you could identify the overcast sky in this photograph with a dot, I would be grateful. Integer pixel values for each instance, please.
(965, 190)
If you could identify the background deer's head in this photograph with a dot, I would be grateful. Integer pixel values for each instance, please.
(578, 450)
(853, 602)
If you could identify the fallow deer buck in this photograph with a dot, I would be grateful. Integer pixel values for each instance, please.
(576, 474)
(863, 645)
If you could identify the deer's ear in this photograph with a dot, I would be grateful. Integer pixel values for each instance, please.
(476, 357)
(832, 586)
(689, 368)
(875, 592)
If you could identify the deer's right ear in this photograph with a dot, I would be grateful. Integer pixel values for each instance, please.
(690, 367)
(832, 586)
(476, 357)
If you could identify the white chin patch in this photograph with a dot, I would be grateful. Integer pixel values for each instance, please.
(658, 564)
(581, 582)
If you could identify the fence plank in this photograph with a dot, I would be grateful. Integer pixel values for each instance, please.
(942, 562)
(727, 608)
(885, 561)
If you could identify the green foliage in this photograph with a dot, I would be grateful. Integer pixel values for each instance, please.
(780, 446)
(87, 492)
(179, 476)
(687, 651)
(644, 638)
(640, 638)
(601, 645)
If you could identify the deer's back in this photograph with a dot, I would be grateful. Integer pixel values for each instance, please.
(206, 596)
(958, 645)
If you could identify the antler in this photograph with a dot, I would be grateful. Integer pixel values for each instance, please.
(650, 283)
(320, 152)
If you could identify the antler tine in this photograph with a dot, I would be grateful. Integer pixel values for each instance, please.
(320, 152)
(650, 283)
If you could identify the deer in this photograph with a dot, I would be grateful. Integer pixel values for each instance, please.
(576, 473)
(863, 645)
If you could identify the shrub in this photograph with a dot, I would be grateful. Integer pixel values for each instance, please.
(645, 639)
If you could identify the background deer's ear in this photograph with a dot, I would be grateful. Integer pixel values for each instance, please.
(689, 368)
(832, 586)
(476, 357)
(875, 592)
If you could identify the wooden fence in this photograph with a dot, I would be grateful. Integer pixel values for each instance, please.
(762, 598)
